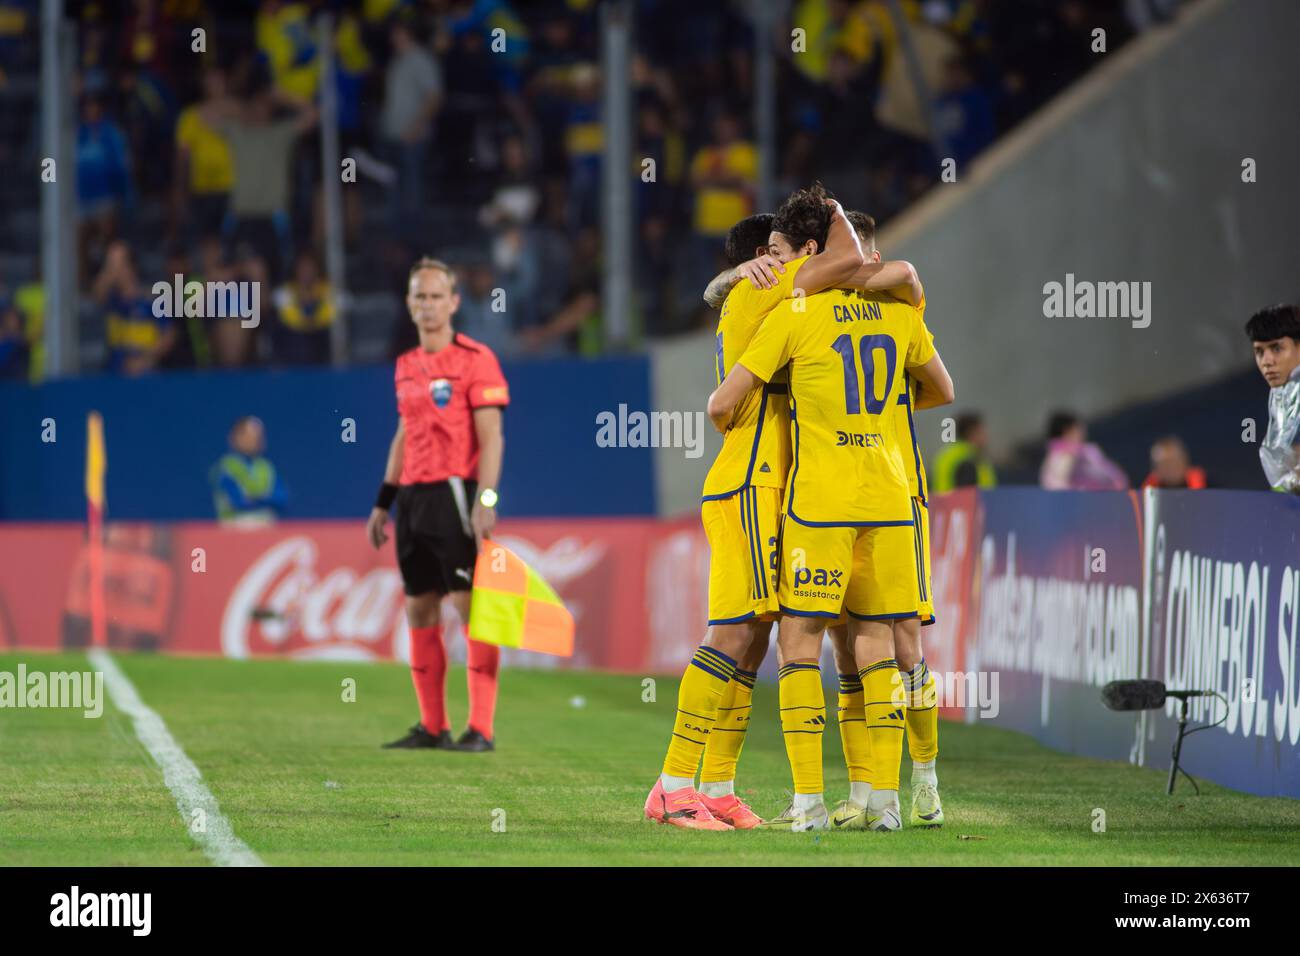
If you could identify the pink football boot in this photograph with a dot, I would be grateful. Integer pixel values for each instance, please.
(733, 810)
(681, 808)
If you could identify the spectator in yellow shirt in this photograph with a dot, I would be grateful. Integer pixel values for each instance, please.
(204, 172)
(724, 175)
(304, 312)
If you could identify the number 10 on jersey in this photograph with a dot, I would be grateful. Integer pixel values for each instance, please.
(868, 346)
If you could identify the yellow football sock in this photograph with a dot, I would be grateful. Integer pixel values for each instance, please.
(886, 710)
(698, 696)
(723, 748)
(922, 713)
(853, 729)
(803, 720)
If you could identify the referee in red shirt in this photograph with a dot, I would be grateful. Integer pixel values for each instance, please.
(443, 467)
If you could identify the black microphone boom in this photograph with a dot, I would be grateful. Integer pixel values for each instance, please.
(1151, 695)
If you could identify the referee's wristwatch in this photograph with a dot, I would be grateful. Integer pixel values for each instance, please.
(488, 498)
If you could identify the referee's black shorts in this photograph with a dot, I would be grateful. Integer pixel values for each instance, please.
(435, 544)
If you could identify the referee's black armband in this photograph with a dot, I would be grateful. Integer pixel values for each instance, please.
(387, 495)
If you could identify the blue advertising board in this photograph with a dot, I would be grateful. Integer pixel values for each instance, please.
(1058, 584)
(1224, 580)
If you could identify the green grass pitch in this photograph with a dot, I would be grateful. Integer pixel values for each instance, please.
(300, 776)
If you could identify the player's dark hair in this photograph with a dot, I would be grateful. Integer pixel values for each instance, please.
(428, 262)
(1061, 422)
(746, 236)
(1274, 322)
(804, 215)
(865, 227)
(967, 423)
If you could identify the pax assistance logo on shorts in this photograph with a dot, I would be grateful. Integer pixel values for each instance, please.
(818, 582)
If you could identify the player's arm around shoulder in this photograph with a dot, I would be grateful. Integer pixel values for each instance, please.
(897, 277)
(719, 287)
(763, 272)
(770, 281)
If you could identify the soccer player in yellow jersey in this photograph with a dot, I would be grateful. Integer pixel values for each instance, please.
(918, 684)
(901, 281)
(740, 511)
(846, 540)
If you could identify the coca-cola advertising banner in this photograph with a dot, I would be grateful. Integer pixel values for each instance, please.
(637, 589)
(317, 590)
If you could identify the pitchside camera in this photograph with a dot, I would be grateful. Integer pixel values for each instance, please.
(1151, 695)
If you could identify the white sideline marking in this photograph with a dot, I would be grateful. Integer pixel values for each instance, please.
(218, 841)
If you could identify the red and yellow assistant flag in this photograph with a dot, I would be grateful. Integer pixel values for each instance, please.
(513, 607)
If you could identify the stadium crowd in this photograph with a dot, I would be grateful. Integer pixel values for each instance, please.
(476, 131)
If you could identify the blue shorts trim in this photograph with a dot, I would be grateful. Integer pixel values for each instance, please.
(794, 613)
(734, 620)
(900, 615)
(849, 524)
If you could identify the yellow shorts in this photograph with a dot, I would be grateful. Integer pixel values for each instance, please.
(742, 532)
(921, 526)
(867, 573)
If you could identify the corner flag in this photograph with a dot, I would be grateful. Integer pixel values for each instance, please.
(96, 465)
(96, 461)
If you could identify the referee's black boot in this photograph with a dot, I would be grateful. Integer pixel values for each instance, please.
(473, 741)
(419, 737)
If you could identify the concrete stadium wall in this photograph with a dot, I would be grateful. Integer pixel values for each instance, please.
(681, 378)
(1134, 175)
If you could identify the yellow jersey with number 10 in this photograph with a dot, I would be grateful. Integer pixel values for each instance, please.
(756, 448)
(848, 352)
